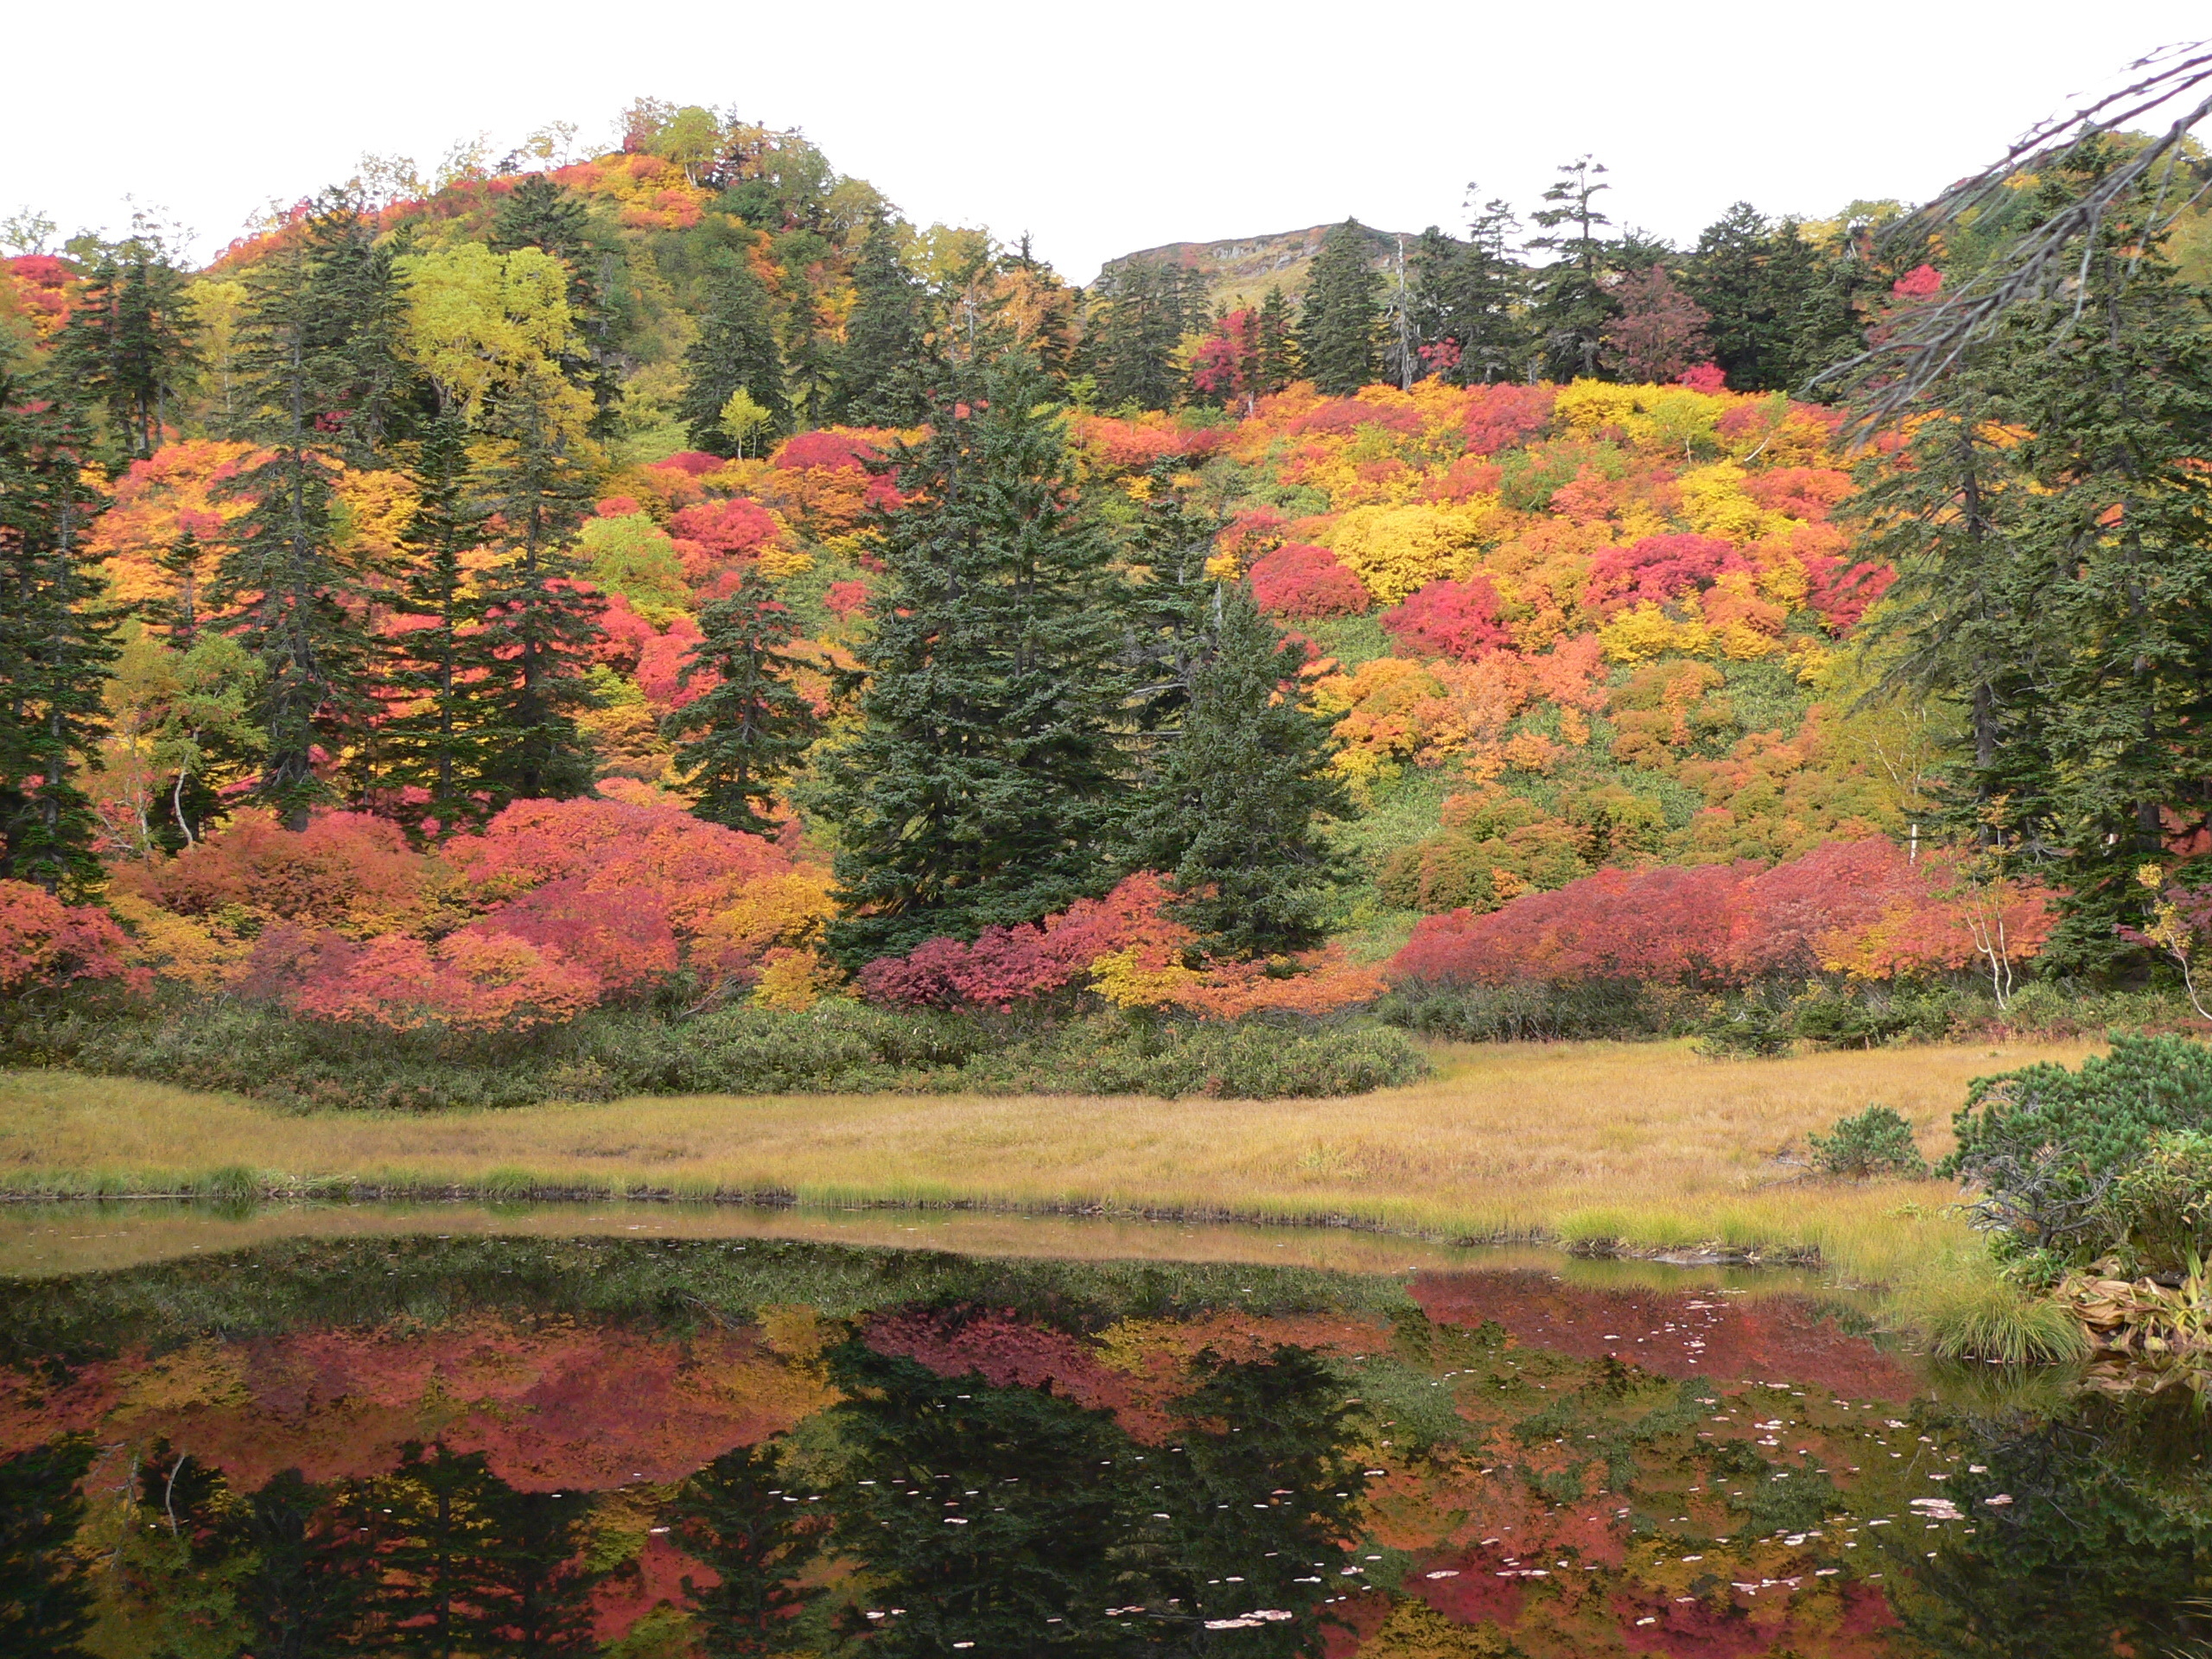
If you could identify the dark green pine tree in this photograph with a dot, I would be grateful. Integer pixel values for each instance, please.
(127, 347)
(435, 670)
(984, 779)
(746, 731)
(539, 624)
(1340, 328)
(736, 351)
(1572, 306)
(1233, 813)
(366, 395)
(884, 365)
(56, 641)
(1171, 603)
(1753, 279)
(1141, 310)
(283, 587)
(1278, 362)
(1472, 293)
(541, 213)
(731, 1521)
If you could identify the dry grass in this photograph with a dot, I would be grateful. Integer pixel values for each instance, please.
(1644, 1143)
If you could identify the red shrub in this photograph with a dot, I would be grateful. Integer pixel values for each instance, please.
(345, 870)
(1449, 618)
(1342, 417)
(1006, 965)
(1863, 907)
(692, 463)
(1840, 590)
(623, 939)
(828, 448)
(1657, 568)
(728, 528)
(845, 598)
(1302, 580)
(1503, 416)
(1806, 493)
(45, 943)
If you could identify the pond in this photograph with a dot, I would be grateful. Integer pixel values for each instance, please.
(653, 1431)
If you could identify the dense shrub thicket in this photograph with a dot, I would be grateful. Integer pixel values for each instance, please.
(605, 1054)
(2110, 1160)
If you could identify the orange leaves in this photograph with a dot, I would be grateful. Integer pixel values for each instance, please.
(470, 982)
(180, 490)
(46, 943)
(346, 872)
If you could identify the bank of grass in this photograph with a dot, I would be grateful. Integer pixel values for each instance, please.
(1599, 1145)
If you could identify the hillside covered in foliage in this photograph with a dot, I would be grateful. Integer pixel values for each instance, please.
(670, 582)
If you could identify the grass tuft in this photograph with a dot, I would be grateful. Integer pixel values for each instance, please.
(1968, 1311)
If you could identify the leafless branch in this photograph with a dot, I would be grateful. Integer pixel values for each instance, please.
(1926, 344)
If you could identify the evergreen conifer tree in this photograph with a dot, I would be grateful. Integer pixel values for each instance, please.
(1471, 294)
(1753, 279)
(1572, 306)
(983, 780)
(880, 370)
(1233, 813)
(56, 641)
(736, 351)
(1339, 333)
(1140, 311)
(1279, 363)
(283, 587)
(539, 623)
(127, 346)
(367, 394)
(750, 725)
(436, 671)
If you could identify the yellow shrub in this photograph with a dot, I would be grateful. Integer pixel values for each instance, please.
(1714, 503)
(1128, 980)
(1647, 631)
(1587, 405)
(794, 981)
(200, 955)
(1395, 550)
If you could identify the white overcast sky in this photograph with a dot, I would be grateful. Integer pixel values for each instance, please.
(1099, 128)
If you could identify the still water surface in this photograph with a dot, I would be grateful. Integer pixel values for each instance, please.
(619, 1432)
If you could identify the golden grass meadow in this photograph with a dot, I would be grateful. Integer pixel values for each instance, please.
(1642, 1146)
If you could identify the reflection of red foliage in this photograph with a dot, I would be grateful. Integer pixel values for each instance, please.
(1299, 580)
(1449, 618)
(1769, 1336)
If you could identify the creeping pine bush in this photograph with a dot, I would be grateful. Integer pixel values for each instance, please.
(2158, 1216)
(1577, 1011)
(605, 1054)
(2051, 1148)
(1877, 1141)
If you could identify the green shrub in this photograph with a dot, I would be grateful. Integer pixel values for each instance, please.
(837, 1047)
(1747, 1027)
(1582, 1011)
(2048, 1145)
(1877, 1141)
(2157, 1217)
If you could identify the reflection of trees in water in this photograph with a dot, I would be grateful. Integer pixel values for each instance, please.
(1011, 1518)
(1018, 1520)
(2106, 1547)
(45, 1605)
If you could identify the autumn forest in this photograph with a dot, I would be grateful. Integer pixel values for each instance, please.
(662, 622)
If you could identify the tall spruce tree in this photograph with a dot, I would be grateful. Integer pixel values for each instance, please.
(1340, 329)
(1141, 310)
(1753, 280)
(2055, 553)
(1572, 305)
(881, 371)
(56, 641)
(542, 213)
(746, 731)
(539, 624)
(984, 777)
(283, 587)
(1278, 361)
(127, 346)
(436, 671)
(1234, 811)
(736, 351)
(1469, 294)
(367, 394)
